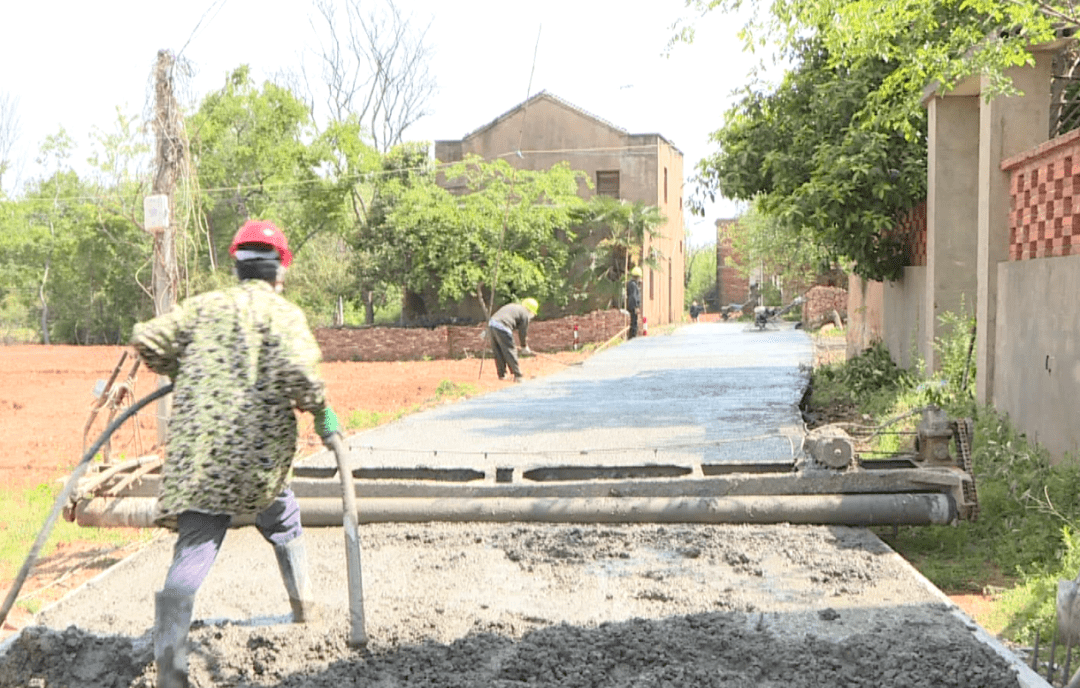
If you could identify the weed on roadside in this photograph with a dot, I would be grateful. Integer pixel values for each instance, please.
(1026, 536)
(448, 389)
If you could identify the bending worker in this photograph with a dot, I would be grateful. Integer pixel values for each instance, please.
(633, 300)
(241, 360)
(501, 329)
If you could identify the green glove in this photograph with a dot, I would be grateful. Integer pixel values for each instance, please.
(326, 422)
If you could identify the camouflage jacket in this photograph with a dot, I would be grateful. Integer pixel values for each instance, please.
(241, 360)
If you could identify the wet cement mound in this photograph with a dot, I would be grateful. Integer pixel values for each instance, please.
(42, 658)
(721, 650)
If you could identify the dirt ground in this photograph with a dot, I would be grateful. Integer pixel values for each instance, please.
(47, 397)
(662, 634)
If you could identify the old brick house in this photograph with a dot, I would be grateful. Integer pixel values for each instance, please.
(546, 130)
(731, 286)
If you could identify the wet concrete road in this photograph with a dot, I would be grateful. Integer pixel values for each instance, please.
(707, 393)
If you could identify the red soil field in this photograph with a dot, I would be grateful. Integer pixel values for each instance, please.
(46, 400)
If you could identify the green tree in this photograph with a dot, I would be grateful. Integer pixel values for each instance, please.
(701, 275)
(764, 243)
(808, 158)
(504, 235)
(926, 41)
(66, 262)
(258, 156)
(251, 149)
(384, 256)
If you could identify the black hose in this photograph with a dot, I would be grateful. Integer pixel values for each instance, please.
(65, 494)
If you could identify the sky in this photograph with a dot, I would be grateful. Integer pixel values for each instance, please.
(72, 63)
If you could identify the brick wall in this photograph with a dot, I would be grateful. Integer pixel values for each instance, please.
(1044, 219)
(912, 227)
(459, 341)
(731, 286)
(821, 302)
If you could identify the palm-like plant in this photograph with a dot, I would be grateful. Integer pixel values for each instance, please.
(623, 227)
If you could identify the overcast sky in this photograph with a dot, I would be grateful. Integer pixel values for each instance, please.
(71, 63)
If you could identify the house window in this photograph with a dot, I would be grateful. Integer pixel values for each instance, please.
(607, 183)
(665, 185)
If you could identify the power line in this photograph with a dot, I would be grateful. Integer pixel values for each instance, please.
(219, 4)
(364, 176)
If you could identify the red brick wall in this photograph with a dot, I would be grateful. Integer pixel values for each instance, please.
(732, 287)
(1044, 220)
(459, 341)
(822, 301)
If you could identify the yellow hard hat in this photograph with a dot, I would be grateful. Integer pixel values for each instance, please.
(532, 304)
(636, 272)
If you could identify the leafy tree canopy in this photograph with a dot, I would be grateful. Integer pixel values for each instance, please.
(925, 41)
(504, 232)
(807, 156)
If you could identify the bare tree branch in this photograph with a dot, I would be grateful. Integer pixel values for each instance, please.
(375, 66)
(9, 131)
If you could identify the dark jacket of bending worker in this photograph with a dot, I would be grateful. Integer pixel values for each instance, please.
(633, 300)
(501, 327)
(243, 361)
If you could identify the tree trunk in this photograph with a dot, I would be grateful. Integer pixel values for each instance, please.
(480, 297)
(369, 307)
(44, 303)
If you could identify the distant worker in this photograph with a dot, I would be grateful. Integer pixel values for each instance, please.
(501, 329)
(242, 361)
(695, 311)
(633, 300)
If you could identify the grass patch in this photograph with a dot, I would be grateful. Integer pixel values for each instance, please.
(448, 389)
(361, 419)
(22, 516)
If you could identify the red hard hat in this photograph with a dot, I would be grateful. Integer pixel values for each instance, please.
(263, 232)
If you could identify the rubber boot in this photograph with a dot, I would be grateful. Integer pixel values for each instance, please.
(292, 560)
(172, 620)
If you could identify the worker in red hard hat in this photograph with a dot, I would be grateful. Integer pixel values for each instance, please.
(242, 361)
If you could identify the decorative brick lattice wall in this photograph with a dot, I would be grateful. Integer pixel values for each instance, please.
(1044, 219)
(912, 226)
(459, 341)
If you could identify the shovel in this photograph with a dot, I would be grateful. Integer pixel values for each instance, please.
(357, 634)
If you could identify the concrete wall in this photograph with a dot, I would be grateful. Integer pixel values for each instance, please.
(952, 203)
(892, 312)
(1037, 353)
(1007, 127)
(460, 341)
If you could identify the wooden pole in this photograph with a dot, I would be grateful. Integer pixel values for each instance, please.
(169, 154)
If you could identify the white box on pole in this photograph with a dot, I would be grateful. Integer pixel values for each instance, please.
(156, 212)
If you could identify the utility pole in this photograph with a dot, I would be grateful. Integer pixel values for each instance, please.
(170, 153)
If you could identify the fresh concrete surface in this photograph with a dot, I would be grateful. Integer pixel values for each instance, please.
(707, 393)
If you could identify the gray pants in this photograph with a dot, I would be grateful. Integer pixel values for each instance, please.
(502, 346)
(199, 538)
